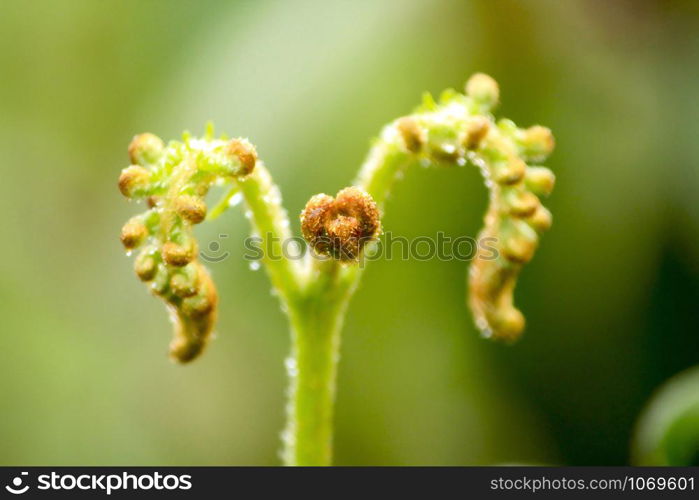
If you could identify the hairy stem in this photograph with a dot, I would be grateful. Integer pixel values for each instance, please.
(270, 222)
(379, 171)
(315, 297)
(316, 322)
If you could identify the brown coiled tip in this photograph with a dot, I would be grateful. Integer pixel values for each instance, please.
(246, 154)
(340, 227)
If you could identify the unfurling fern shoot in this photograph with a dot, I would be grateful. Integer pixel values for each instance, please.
(456, 131)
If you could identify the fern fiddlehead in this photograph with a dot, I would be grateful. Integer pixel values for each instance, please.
(340, 227)
(458, 130)
(174, 180)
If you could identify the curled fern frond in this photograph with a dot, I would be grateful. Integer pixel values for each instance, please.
(340, 227)
(174, 179)
(458, 130)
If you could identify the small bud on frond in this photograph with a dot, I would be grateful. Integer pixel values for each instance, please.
(185, 282)
(134, 181)
(174, 180)
(519, 241)
(508, 172)
(246, 154)
(476, 131)
(536, 142)
(520, 203)
(412, 134)
(483, 89)
(540, 220)
(340, 227)
(146, 264)
(178, 255)
(134, 233)
(191, 208)
(145, 149)
(540, 180)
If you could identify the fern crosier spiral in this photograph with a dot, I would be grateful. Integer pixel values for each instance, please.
(459, 130)
(174, 180)
(340, 227)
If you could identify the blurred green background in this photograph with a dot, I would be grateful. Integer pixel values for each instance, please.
(611, 297)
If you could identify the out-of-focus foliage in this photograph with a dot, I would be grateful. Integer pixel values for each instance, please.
(668, 431)
(610, 297)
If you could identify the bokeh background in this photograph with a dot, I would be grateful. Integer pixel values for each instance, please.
(611, 297)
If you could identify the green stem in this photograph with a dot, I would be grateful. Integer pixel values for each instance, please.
(316, 323)
(385, 162)
(270, 221)
(312, 370)
(316, 298)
